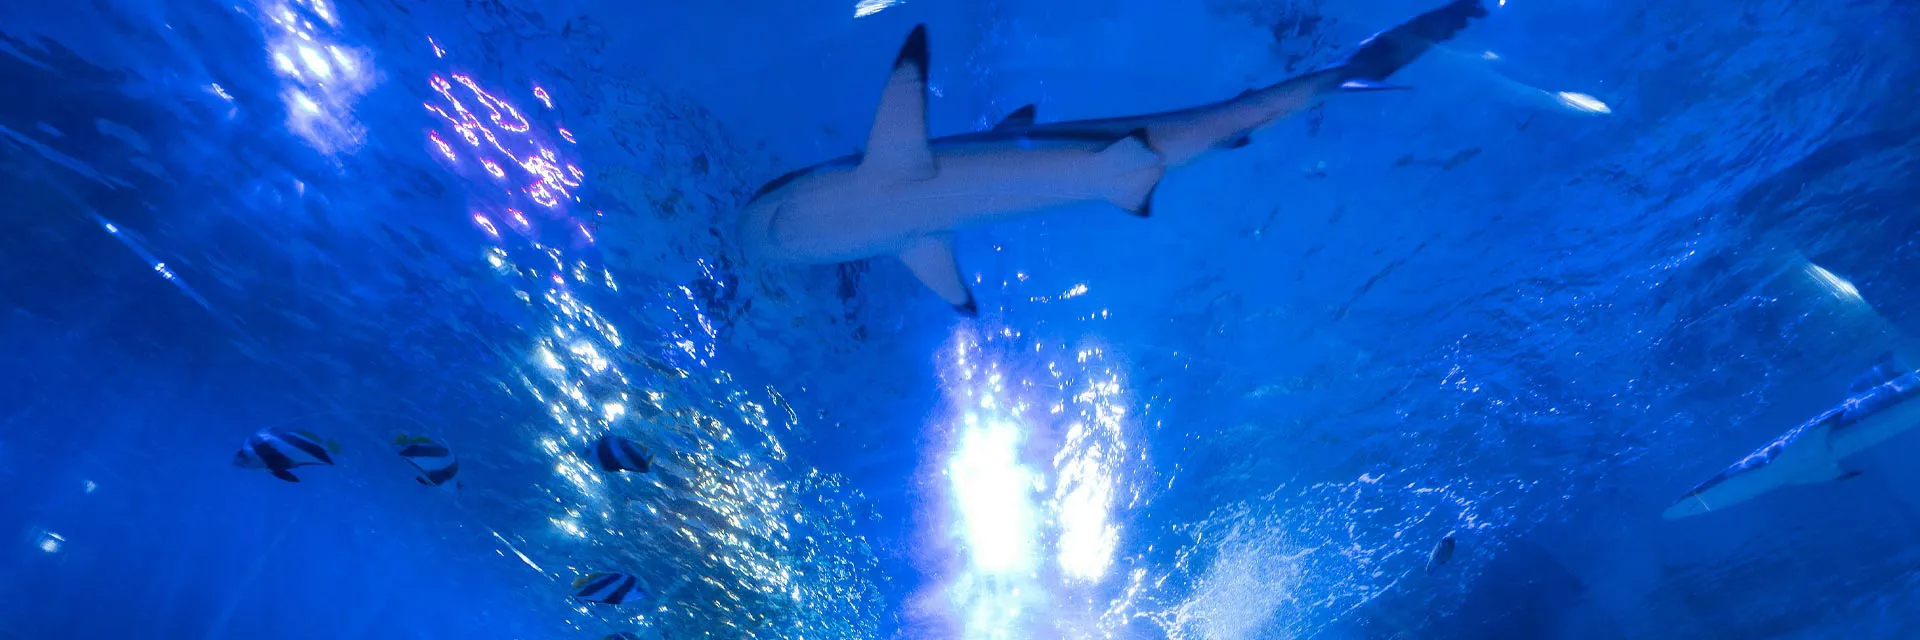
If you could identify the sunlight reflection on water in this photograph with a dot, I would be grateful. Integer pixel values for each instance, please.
(993, 501)
(321, 78)
(1006, 511)
(712, 529)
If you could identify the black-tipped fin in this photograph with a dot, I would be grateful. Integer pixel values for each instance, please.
(1020, 118)
(283, 474)
(1146, 204)
(897, 145)
(932, 261)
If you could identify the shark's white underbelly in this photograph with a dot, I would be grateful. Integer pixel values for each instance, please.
(1812, 458)
(840, 214)
(1887, 423)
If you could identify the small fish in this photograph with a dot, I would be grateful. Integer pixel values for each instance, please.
(615, 453)
(1441, 553)
(434, 460)
(281, 451)
(607, 588)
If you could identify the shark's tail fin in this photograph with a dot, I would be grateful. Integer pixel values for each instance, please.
(1388, 51)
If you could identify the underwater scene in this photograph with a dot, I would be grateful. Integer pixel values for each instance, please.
(959, 319)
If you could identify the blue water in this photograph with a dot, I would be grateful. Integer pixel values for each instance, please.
(1600, 253)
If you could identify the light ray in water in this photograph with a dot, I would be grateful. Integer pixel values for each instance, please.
(993, 500)
(865, 8)
(1006, 511)
(126, 238)
(1838, 286)
(1582, 102)
(51, 542)
(1565, 101)
(1084, 496)
(516, 551)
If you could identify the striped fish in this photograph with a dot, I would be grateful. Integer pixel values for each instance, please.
(433, 459)
(614, 453)
(607, 588)
(280, 451)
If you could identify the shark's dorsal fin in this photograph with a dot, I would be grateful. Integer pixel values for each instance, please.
(1021, 117)
(931, 260)
(897, 146)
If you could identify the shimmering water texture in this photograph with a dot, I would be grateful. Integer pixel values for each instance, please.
(404, 320)
(709, 532)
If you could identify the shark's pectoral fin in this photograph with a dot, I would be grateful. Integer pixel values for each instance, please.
(897, 146)
(931, 260)
(1138, 168)
(1021, 117)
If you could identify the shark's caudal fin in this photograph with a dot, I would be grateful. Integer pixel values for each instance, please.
(897, 147)
(1021, 117)
(1134, 157)
(1388, 51)
(931, 260)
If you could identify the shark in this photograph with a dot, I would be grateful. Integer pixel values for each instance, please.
(1882, 403)
(906, 194)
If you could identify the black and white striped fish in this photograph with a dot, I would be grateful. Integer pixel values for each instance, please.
(614, 453)
(434, 460)
(280, 451)
(607, 588)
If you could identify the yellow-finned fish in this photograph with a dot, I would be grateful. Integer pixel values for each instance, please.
(434, 459)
